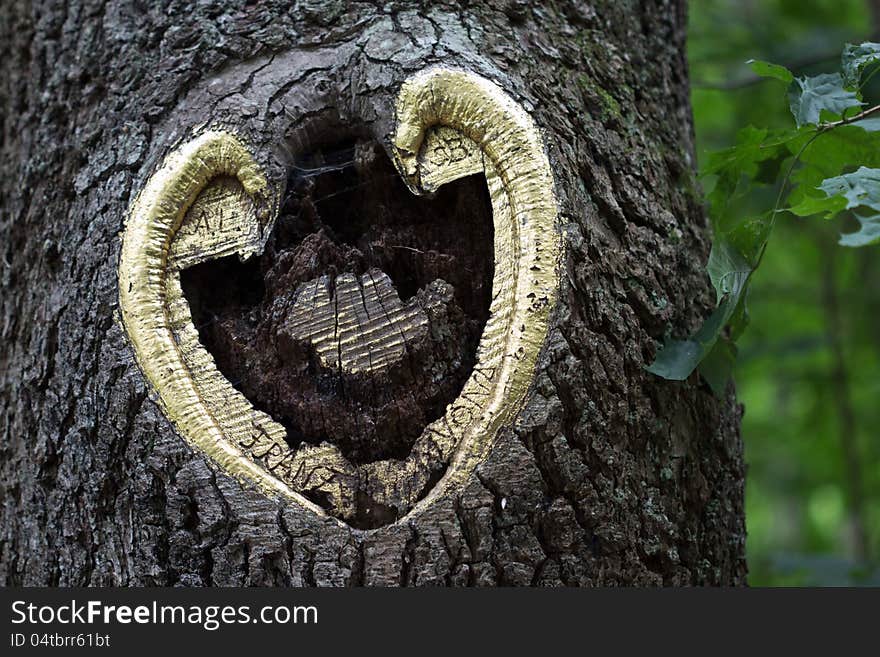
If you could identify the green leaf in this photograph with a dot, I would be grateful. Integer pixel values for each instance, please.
(856, 58)
(868, 234)
(810, 205)
(836, 151)
(870, 125)
(740, 319)
(749, 235)
(831, 153)
(729, 272)
(859, 189)
(717, 366)
(757, 156)
(768, 70)
(677, 359)
(809, 97)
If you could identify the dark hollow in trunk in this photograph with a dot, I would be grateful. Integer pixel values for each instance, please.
(347, 211)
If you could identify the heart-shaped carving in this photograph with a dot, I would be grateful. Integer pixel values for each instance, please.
(209, 199)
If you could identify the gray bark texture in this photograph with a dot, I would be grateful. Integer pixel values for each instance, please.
(609, 476)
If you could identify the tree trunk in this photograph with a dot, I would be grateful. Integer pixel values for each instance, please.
(605, 475)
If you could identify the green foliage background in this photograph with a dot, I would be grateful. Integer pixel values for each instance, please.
(808, 371)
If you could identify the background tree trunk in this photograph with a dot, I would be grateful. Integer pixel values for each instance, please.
(608, 476)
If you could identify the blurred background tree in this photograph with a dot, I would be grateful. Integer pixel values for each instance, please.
(808, 371)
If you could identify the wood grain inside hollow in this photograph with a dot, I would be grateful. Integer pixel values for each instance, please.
(360, 325)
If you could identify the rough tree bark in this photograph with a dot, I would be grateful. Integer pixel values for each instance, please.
(608, 476)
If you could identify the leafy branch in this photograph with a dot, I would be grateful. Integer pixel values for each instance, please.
(864, 114)
(827, 164)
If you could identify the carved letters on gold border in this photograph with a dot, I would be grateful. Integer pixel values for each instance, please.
(210, 199)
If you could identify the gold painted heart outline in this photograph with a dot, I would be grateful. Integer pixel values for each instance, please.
(449, 124)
